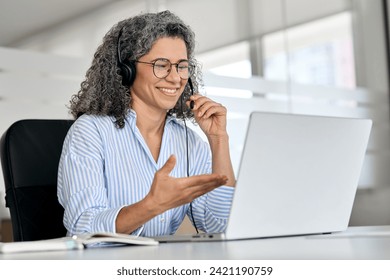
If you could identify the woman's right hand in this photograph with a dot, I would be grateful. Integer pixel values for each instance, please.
(168, 192)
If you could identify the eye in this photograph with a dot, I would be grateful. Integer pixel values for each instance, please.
(161, 64)
(183, 66)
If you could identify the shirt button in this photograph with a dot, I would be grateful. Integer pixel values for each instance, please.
(162, 220)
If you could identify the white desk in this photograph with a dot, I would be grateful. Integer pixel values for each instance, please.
(367, 243)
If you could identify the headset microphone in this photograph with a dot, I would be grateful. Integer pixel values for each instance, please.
(192, 103)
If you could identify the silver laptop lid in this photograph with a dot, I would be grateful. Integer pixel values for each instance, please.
(298, 175)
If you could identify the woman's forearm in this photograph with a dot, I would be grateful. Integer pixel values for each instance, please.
(221, 161)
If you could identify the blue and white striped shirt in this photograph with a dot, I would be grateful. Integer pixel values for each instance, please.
(103, 168)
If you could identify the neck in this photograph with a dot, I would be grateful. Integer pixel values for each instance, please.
(150, 121)
(151, 125)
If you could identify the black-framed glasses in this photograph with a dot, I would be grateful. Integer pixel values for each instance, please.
(162, 67)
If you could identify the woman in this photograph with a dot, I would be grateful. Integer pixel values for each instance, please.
(129, 164)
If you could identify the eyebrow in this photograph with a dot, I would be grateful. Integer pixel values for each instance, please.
(163, 58)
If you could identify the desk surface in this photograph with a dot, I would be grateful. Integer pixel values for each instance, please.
(367, 243)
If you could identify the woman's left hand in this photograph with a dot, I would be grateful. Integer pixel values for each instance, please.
(210, 115)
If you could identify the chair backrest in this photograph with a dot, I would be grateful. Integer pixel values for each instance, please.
(30, 151)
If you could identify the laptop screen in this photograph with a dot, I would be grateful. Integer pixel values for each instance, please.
(298, 175)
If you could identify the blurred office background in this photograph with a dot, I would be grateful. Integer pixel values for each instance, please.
(320, 57)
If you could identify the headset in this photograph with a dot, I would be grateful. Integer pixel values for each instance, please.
(127, 68)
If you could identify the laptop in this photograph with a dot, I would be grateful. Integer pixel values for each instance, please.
(298, 175)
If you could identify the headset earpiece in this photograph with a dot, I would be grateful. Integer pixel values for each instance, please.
(128, 73)
(127, 68)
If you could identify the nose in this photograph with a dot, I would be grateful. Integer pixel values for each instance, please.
(173, 74)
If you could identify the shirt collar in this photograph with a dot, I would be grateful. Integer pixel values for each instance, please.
(131, 118)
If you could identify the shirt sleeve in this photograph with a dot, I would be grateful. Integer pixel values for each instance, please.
(210, 212)
(81, 183)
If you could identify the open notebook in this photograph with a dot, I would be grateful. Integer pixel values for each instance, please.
(75, 242)
(298, 175)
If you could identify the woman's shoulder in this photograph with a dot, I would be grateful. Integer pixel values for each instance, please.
(94, 121)
(93, 124)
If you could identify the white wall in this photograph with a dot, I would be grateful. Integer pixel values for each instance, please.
(216, 23)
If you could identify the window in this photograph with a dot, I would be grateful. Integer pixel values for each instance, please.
(230, 61)
(319, 52)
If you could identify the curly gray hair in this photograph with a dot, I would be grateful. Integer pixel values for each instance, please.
(102, 92)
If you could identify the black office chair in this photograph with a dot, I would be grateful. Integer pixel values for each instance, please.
(30, 151)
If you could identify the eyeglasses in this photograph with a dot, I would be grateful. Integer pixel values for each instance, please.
(162, 67)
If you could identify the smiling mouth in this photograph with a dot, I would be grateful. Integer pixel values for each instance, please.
(169, 91)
